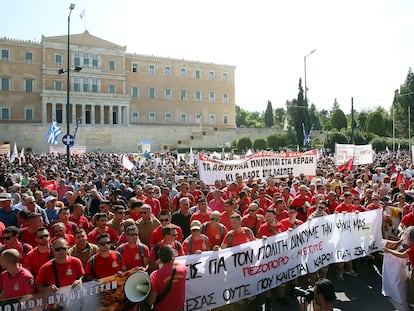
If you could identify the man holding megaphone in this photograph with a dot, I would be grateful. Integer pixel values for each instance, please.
(168, 283)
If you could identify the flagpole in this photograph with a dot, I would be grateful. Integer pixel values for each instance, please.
(72, 6)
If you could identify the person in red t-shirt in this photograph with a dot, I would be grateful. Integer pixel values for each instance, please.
(69, 270)
(407, 221)
(291, 222)
(238, 234)
(15, 280)
(271, 226)
(280, 209)
(194, 191)
(346, 206)
(104, 263)
(302, 202)
(28, 234)
(101, 227)
(165, 220)
(41, 254)
(175, 298)
(165, 200)
(133, 252)
(59, 231)
(264, 201)
(202, 215)
(9, 239)
(152, 201)
(196, 242)
(214, 230)
(253, 219)
(77, 217)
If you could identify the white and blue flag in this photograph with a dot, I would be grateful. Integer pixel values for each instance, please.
(53, 133)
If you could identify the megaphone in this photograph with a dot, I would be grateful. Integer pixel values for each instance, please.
(137, 286)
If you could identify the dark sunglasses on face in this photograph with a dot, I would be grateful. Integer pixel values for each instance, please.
(105, 243)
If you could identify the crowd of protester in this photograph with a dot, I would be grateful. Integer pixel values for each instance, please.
(97, 218)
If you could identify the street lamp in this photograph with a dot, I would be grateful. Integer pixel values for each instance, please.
(71, 7)
(306, 88)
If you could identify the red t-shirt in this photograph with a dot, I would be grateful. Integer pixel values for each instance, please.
(68, 237)
(299, 201)
(175, 299)
(199, 217)
(342, 207)
(133, 257)
(282, 215)
(269, 230)
(113, 235)
(156, 235)
(35, 259)
(250, 222)
(177, 248)
(165, 202)
(237, 238)
(155, 205)
(286, 224)
(20, 284)
(191, 246)
(68, 272)
(103, 266)
(27, 237)
(82, 222)
(225, 220)
(215, 235)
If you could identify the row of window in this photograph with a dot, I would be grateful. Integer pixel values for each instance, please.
(168, 94)
(152, 116)
(5, 84)
(87, 60)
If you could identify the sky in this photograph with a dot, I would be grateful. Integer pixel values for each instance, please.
(364, 49)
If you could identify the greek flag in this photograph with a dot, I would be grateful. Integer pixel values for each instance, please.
(53, 133)
(75, 130)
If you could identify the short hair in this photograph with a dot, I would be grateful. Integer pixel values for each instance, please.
(407, 234)
(11, 255)
(40, 229)
(167, 230)
(271, 210)
(164, 212)
(33, 215)
(166, 254)
(131, 228)
(101, 236)
(12, 229)
(137, 204)
(79, 230)
(118, 208)
(325, 287)
(65, 208)
(100, 215)
(230, 201)
(235, 216)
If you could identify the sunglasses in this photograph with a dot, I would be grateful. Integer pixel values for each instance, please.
(143, 212)
(132, 234)
(58, 249)
(252, 210)
(164, 220)
(43, 236)
(105, 243)
(215, 219)
(6, 238)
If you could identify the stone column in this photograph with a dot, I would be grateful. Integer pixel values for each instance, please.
(73, 113)
(92, 114)
(83, 114)
(63, 113)
(53, 111)
(119, 115)
(127, 116)
(102, 114)
(110, 116)
(44, 111)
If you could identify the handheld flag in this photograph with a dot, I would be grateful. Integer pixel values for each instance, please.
(14, 155)
(53, 133)
(22, 157)
(126, 163)
(75, 130)
(346, 165)
(191, 159)
(82, 14)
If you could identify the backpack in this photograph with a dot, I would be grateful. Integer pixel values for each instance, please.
(204, 229)
(230, 235)
(140, 246)
(93, 262)
(190, 242)
(157, 248)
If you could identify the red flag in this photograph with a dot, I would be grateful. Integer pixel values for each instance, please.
(399, 179)
(346, 165)
(49, 184)
(407, 183)
(392, 169)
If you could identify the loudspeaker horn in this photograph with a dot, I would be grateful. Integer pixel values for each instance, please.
(137, 286)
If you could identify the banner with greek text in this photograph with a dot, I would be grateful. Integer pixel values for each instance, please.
(217, 278)
(362, 153)
(5, 149)
(258, 166)
(62, 149)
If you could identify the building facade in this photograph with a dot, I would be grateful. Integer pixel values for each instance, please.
(112, 88)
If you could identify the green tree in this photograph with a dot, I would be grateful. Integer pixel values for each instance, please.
(275, 141)
(361, 119)
(338, 118)
(260, 144)
(404, 102)
(280, 115)
(314, 117)
(268, 117)
(335, 138)
(244, 143)
(241, 117)
(375, 123)
(299, 114)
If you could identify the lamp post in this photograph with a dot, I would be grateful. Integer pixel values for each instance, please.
(306, 88)
(71, 7)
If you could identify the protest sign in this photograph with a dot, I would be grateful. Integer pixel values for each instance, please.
(217, 278)
(5, 149)
(362, 153)
(258, 166)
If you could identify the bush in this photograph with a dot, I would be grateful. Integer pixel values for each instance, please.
(244, 143)
(275, 141)
(260, 144)
(335, 138)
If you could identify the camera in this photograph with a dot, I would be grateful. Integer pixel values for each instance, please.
(304, 293)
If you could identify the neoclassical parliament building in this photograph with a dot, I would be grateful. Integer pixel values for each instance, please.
(112, 91)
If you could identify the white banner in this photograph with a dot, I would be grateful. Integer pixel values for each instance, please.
(5, 149)
(216, 278)
(62, 149)
(258, 166)
(362, 153)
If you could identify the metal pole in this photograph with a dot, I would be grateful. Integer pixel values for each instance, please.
(352, 121)
(409, 128)
(393, 127)
(306, 88)
(72, 6)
